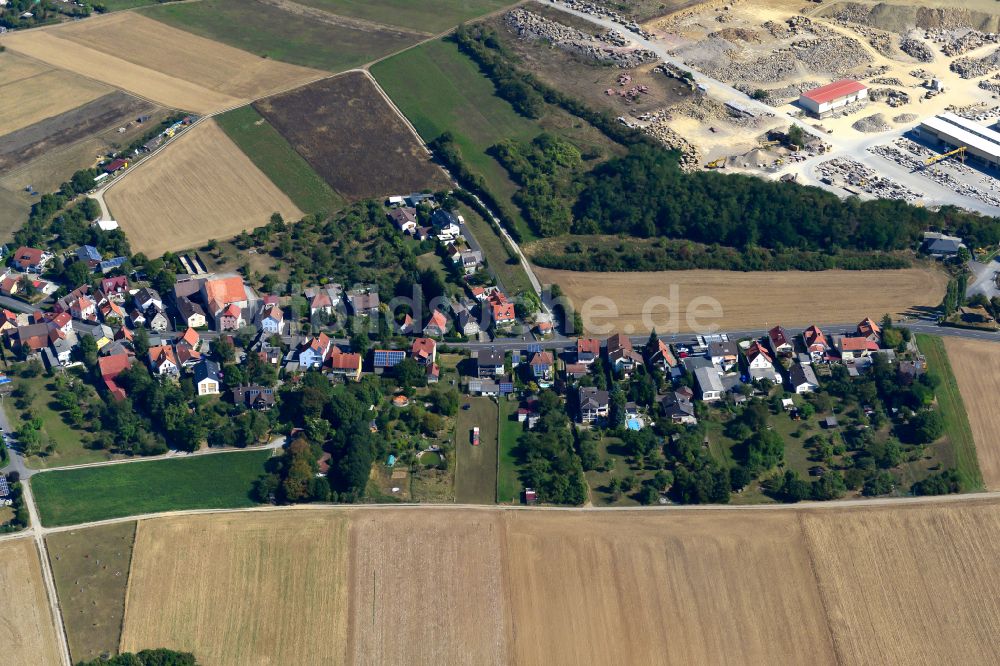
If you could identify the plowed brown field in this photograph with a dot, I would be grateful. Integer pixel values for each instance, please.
(170, 66)
(26, 630)
(886, 584)
(747, 300)
(200, 187)
(976, 365)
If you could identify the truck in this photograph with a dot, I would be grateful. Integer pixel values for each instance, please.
(475, 436)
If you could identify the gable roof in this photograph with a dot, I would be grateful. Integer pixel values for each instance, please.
(541, 359)
(190, 337)
(814, 336)
(225, 290)
(423, 348)
(778, 337)
(28, 256)
(756, 349)
(832, 91)
(437, 320)
(588, 346)
(114, 365)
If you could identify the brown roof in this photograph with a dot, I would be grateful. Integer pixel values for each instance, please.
(114, 365)
(591, 345)
(28, 256)
(423, 348)
(778, 337)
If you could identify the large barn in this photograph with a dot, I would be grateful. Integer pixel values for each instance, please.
(823, 101)
(950, 131)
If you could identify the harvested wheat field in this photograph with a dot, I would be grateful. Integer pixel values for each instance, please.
(910, 584)
(976, 366)
(27, 633)
(242, 589)
(679, 588)
(438, 578)
(31, 91)
(170, 66)
(897, 582)
(748, 300)
(200, 187)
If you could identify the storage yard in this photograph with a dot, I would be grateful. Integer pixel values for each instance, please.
(859, 77)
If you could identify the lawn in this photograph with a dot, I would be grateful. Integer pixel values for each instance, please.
(512, 276)
(430, 15)
(476, 469)
(961, 445)
(91, 571)
(214, 481)
(269, 31)
(508, 483)
(273, 155)
(439, 89)
(68, 440)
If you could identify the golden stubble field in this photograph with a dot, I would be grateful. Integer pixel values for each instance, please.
(747, 300)
(31, 91)
(201, 186)
(887, 584)
(153, 60)
(247, 589)
(27, 634)
(976, 365)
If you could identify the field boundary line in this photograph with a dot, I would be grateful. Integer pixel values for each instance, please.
(810, 554)
(886, 502)
(496, 487)
(128, 586)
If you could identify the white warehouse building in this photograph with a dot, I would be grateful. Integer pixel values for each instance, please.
(823, 101)
(950, 131)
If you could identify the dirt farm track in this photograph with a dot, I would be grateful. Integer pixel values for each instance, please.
(748, 300)
(201, 187)
(886, 584)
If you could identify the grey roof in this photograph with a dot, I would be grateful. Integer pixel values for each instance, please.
(206, 370)
(708, 380)
(802, 374)
(944, 246)
(693, 363)
(490, 357)
(593, 398)
(187, 308)
(722, 349)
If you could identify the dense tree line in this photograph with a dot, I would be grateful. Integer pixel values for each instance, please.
(646, 194)
(547, 170)
(158, 657)
(548, 458)
(664, 254)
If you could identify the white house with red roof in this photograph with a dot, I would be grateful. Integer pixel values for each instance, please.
(30, 259)
(780, 341)
(424, 351)
(437, 325)
(816, 343)
(825, 100)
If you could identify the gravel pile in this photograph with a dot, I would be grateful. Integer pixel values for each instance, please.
(892, 97)
(529, 25)
(690, 158)
(955, 43)
(838, 56)
(864, 178)
(905, 118)
(599, 10)
(916, 49)
(871, 124)
(969, 68)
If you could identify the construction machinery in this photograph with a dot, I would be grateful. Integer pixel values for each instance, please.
(960, 151)
(768, 144)
(717, 164)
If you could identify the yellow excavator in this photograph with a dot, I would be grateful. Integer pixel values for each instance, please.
(717, 164)
(960, 151)
(768, 144)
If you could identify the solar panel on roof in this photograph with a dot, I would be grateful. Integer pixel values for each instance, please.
(534, 349)
(4, 488)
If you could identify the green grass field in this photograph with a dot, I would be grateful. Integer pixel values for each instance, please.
(508, 483)
(956, 421)
(69, 449)
(432, 16)
(273, 155)
(118, 5)
(476, 469)
(216, 481)
(269, 31)
(91, 569)
(439, 90)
